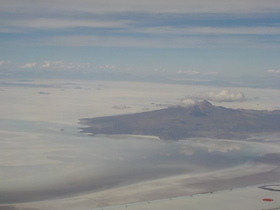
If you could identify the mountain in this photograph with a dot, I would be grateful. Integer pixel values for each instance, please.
(199, 120)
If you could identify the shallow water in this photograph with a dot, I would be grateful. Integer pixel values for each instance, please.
(40, 160)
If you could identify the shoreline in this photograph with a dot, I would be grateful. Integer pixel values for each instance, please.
(181, 185)
(262, 170)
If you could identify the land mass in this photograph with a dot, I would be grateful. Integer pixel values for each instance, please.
(199, 120)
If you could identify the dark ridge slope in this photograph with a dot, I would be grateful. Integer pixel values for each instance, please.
(200, 120)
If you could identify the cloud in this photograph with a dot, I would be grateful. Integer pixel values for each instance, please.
(53, 65)
(147, 23)
(213, 30)
(210, 73)
(46, 64)
(108, 67)
(60, 23)
(274, 71)
(131, 39)
(28, 65)
(4, 63)
(210, 146)
(63, 65)
(188, 72)
(155, 6)
(188, 102)
(194, 72)
(217, 96)
(158, 70)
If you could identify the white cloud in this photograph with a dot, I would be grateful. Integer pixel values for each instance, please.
(210, 146)
(56, 23)
(108, 67)
(188, 72)
(209, 30)
(194, 72)
(188, 102)
(210, 73)
(218, 96)
(117, 16)
(55, 65)
(46, 64)
(4, 63)
(63, 65)
(28, 65)
(61, 23)
(274, 71)
(158, 70)
(175, 6)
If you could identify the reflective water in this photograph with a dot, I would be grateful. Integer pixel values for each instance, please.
(41, 160)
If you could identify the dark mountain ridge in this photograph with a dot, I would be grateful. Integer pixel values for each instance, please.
(199, 120)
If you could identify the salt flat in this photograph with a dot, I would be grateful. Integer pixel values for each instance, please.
(42, 151)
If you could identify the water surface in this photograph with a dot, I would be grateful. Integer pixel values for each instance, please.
(41, 160)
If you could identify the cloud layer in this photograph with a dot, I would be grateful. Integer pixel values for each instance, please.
(224, 95)
(147, 23)
(274, 71)
(54, 65)
(175, 6)
(195, 38)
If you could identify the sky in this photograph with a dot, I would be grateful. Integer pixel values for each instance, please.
(205, 39)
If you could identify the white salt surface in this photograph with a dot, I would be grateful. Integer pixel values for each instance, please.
(41, 148)
(250, 198)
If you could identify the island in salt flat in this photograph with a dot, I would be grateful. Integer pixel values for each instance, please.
(199, 120)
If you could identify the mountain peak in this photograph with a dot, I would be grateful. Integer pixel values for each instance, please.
(204, 104)
(201, 106)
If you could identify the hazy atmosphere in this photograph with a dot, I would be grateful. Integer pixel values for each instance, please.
(63, 61)
(230, 42)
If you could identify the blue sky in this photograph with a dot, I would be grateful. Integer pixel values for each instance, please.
(178, 38)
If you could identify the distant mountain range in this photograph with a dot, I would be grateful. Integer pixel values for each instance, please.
(199, 120)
